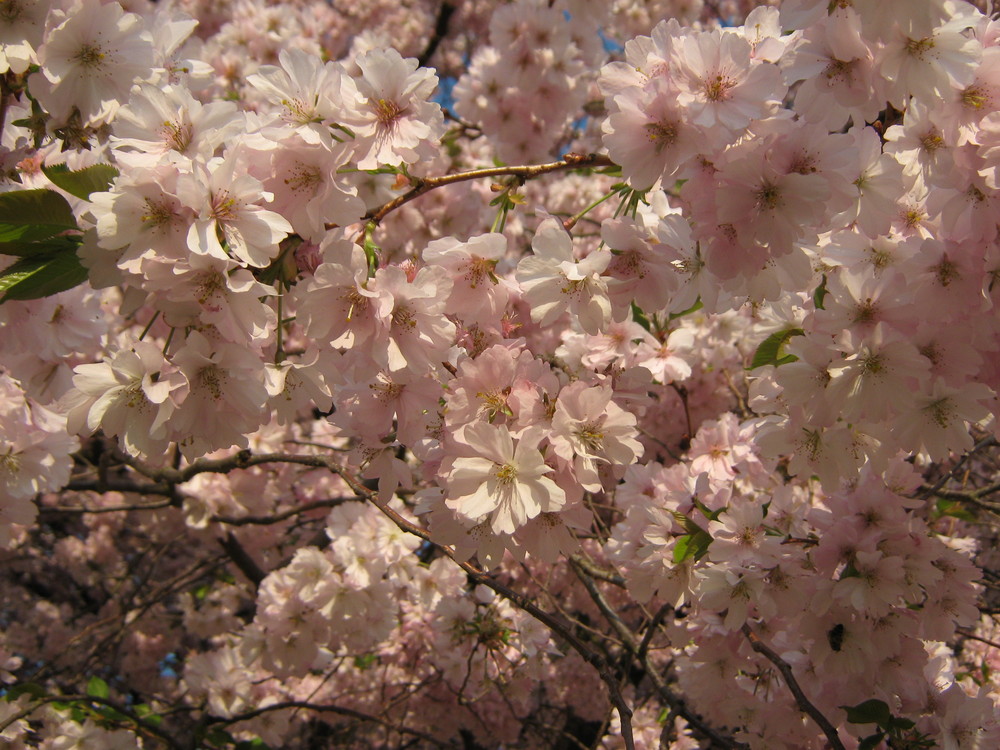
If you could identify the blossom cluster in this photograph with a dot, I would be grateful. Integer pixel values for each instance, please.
(410, 383)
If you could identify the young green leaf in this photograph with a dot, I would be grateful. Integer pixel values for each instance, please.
(820, 294)
(28, 688)
(691, 546)
(29, 215)
(871, 711)
(770, 350)
(82, 182)
(97, 688)
(41, 276)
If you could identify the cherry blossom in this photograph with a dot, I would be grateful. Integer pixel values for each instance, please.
(462, 374)
(499, 479)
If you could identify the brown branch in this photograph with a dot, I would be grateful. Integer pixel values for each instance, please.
(245, 459)
(332, 502)
(330, 708)
(926, 492)
(800, 697)
(595, 571)
(591, 657)
(524, 172)
(628, 638)
(972, 496)
(651, 628)
(109, 508)
(241, 558)
(445, 12)
(682, 393)
(972, 636)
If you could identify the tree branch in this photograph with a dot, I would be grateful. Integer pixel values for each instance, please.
(800, 697)
(241, 558)
(926, 492)
(329, 708)
(628, 638)
(445, 12)
(525, 172)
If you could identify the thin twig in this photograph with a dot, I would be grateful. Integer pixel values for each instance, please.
(967, 634)
(628, 638)
(800, 697)
(928, 491)
(595, 660)
(525, 172)
(972, 496)
(651, 628)
(332, 502)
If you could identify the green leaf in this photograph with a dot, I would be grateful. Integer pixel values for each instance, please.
(871, 711)
(820, 294)
(50, 246)
(953, 509)
(219, 737)
(365, 661)
(41, 276)
(901, 723)
(769, 351)
(97, 688)
(28, 688)
(82, 182)
(146, 712)
(110, 714)
(691, 546)
(689, 525)
(255, 744)
(29, 215)
(639, 316)
(698, 304)
(871, 742)
(711, 515)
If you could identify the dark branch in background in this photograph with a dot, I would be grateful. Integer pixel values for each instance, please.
(927, 492)
(241, 558)
(332, 502)
(651, 628)
(973, 496)
(973, 636)
(800, 698)
(444, 15)
(593, 658)
(596, 572)
(328, 708)
(245, 459)
(628, 638)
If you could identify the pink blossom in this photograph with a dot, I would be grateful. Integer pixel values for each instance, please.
(132, 395)
(495, 478)
(397, 123)
(553, 281)
(229, 210)
(588, 428)
(90, 61)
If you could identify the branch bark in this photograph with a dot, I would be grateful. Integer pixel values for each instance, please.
(525, 172)
(805, 705)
